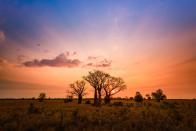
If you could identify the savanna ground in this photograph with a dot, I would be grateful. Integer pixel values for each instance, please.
(121, 115)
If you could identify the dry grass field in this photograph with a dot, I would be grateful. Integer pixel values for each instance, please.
(124, 115)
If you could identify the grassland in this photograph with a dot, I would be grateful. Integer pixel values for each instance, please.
(122, 115)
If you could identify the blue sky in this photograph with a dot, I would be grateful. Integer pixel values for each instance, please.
(27, 17)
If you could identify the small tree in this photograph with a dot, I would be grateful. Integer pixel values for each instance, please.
(148, 97)
(78, 89)
(131, 98)
(114, 85)
(42, 96)
(138, 97)
(68, 99)
(158, 95)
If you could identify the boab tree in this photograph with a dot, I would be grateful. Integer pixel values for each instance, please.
(158, 95)
(114, 85)
(98, 80)
(42, 96)
(78, 89)
(138, 97)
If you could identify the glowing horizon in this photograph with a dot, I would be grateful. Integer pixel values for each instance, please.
(46, 45)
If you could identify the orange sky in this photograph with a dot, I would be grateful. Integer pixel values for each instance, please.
(150, 46)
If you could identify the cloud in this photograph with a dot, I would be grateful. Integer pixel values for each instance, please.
(60, 61)
(4, 63)
(92, 58)
(188, 61)
(103, 63)
(63, 60)
(20, 58)
(68, 53)
(46, 51)
(2, 36)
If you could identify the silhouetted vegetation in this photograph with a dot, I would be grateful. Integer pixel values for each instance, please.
(41, 97)
(68, 99)
(104, 81)
(148, 97)
(98, 80)
(78, 89)
(138, 97)
(134, 113)
(53, 114)
(87, 102)
(119, 103)
(158, 95)
(32, 108)
(114, 85)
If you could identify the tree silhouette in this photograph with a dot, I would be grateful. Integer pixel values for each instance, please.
(158, 95)
(138, 97)
(42, 96)
(98, 80)
(114, 85)
(78, 89)
(148, 97)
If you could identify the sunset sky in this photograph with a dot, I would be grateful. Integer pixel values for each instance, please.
(45, 45)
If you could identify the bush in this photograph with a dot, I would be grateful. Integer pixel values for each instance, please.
(68, 99)
(158, 95)
(117, 103)
(41, 97)
(32, 108)
(87, 102)
(138, 97)
(129, 104)
(131, 98)
(167, 105)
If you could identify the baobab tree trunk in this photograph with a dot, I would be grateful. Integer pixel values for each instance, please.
(107, 99)
(95, 97)
(99, 93)
(79, 99)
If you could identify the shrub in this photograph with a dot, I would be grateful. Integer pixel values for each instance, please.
(158, 95)
(87, 102)
(148, 97)
(131, 98)
(41, 97)
(33, 98)
(129, 105)
(117, 103)
(68, 99)
(75, 116)
(32, 108)
(138, 97)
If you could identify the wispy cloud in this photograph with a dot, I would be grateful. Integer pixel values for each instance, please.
(2, 36)
(20, 58)
(188, 61)
(92, 58)
(95, 63)
(2, 61)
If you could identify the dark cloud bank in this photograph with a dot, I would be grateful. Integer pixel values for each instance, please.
(59, 61)
(62, 60)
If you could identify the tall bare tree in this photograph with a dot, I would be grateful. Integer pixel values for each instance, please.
(78, 89)
(114, 85)
(98, 80)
